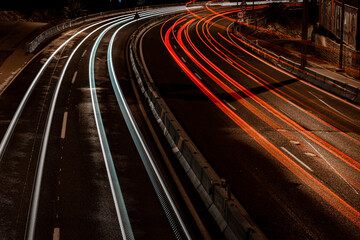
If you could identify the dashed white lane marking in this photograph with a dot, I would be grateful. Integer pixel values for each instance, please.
(84, 53)
(100, 59)
(63, 130)
(298, 160)
(74, 77)
(56, 234)
(310, 154)
(198, 76)
(230, 106)
(295, 142)
(330, 165)
(175, 47)
(229, 60)
(183, 59)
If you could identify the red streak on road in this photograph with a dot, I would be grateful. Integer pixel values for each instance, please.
(329, 196)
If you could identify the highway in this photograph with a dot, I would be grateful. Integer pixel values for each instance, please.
(290, 150)
(77, 158)
(82, 157)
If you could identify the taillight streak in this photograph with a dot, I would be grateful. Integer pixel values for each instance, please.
(350, 161)
(274, 90)
(329, 196)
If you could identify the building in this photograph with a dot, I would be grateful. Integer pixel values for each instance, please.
(330, 19)
(329, 33)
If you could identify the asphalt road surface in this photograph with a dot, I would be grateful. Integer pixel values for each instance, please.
(289, 149)
(71, 162)
(55, 183)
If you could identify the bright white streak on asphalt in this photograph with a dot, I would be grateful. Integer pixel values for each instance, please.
(31, 221)
(24, 100)
(113, 179)
(143, 149)
(297, 159)
(120, 207)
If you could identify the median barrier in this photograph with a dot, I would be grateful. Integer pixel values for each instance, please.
(226, 210)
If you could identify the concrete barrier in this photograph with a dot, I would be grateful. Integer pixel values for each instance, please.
(226, 210)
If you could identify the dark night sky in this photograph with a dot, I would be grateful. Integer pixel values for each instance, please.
(59, 4)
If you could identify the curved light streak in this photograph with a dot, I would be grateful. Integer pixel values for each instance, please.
(148, 160)
(339, 154)
(39, 173)
(121, 211)
(24, 100)
(329, 196)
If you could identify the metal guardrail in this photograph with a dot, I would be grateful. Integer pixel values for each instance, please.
(34, 44)
(226, 210)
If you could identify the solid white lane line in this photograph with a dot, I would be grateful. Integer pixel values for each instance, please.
(326, 104)
(297, 159)
(56, 234)
(74, 77)
(328, 163)
(63, 129)
(230, 106)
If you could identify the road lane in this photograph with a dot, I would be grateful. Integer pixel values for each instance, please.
(75, 198)
(239, 151)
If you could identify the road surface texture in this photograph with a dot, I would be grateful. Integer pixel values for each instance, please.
(78, 159)
(53, 176)
(289, 149)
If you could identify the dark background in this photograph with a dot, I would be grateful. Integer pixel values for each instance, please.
(54, 11)
(91, 5)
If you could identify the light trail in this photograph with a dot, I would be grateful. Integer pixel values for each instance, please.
(329, 196)
(31, 221)
(283, 36)
(273, 89)
(339, 154)
(164, 196)
(155, 176)
(24, 100)
(287, 134)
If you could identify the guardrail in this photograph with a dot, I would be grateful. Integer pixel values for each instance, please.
(34, 44)
(226, 210)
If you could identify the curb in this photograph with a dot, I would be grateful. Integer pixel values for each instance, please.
(228, 213)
